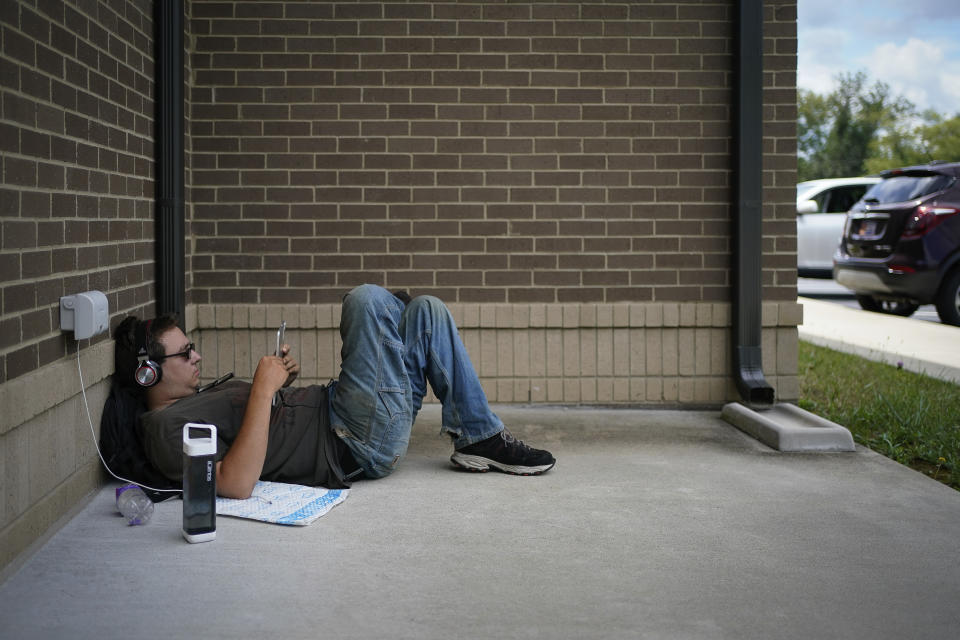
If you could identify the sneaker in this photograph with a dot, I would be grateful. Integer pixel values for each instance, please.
(504, 453)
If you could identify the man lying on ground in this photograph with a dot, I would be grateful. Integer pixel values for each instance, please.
(320, 435)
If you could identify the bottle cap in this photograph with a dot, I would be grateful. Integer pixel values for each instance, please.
(124, 488)
(197, 443)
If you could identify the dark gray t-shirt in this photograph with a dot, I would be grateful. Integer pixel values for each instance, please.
(301, 447)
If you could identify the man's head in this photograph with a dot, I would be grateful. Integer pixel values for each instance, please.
(158, 343)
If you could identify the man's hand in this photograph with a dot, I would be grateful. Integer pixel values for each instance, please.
(271, 374)
(290, 363)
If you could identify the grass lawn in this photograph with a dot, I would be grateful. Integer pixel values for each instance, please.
(911, 418)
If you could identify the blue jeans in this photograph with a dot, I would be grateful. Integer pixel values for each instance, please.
(389, 355)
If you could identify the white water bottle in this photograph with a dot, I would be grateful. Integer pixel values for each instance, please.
(134, 504)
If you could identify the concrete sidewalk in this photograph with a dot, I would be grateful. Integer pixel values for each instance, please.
(933, 349)
(654, 524)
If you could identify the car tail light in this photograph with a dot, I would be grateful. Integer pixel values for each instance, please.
(900, 269)
(925, 218)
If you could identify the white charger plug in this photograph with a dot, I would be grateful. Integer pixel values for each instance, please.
(86, 314)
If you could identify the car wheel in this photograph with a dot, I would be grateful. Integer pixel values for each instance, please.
(948, 300)
(893, 307)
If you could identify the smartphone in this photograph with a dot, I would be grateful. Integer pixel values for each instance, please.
(278, 353)
(280, 332)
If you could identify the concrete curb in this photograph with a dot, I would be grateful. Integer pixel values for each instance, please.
(786, 427)
(933, 350)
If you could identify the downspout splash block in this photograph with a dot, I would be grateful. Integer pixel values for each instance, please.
(788, 428)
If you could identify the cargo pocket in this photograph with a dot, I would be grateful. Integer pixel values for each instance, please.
(389, 432)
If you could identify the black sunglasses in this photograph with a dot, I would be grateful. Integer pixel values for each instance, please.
(185, 354)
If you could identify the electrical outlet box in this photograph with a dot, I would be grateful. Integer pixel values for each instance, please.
(86, 314)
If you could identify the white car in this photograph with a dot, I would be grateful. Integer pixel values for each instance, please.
(822, 207)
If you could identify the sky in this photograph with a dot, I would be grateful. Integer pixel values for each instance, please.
(912, 45)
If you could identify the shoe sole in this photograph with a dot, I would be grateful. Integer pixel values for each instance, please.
(479, 464)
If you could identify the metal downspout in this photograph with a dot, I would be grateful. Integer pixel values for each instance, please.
(748, 250)
(169, 145)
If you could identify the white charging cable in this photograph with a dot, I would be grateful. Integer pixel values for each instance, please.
(93, 433)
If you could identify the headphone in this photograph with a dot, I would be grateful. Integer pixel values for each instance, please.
(148, 372)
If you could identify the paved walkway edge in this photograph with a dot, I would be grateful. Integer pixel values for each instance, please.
(787, 427)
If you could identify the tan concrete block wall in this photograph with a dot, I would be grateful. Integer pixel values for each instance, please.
(48, 460)
(662, 354)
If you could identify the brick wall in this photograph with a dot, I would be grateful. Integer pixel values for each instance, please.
(77, 143)
(780, 150)
(559, 172)
(76, 213)
(480, 151)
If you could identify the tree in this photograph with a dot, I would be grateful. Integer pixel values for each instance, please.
(813, 126)
(835, 132)
(934, 138)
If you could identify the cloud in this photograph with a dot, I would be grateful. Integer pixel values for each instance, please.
(911, 46)
(950, 86)
(918, 69)
(817, 58)
(890, 16)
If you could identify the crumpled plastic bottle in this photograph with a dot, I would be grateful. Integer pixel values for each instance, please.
(134, 504)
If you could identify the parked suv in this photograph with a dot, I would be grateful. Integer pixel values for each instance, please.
(901, 243)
